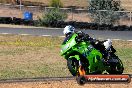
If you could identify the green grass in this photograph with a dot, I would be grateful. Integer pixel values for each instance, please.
(34, 56)
(31, 56)
(125, 54)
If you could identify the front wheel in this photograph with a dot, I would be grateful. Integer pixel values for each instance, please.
(73, 66)
(81, 80)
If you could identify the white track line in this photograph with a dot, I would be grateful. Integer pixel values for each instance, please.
(116, 39)
(46, 35)
(23, 34)
(129, 40)
(5, 33)
(64, 36)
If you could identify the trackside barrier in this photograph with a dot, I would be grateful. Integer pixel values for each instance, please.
(62, 24)
(92, 26)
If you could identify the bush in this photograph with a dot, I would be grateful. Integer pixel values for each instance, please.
(52, 17)
(107, 15)
(56, 3)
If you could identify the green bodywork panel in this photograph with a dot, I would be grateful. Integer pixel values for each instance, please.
(69, 44)
(70, 49)
(75, 56)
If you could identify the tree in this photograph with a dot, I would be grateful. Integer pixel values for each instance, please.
(50, 18)
(103, 11)
(56, 3)
(53, 15)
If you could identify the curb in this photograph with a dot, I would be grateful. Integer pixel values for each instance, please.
(60, 36)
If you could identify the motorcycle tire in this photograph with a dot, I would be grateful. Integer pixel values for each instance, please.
(116, 68)
(72, 65)
(81, 80)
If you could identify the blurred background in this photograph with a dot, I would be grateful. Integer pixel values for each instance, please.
(77, 10)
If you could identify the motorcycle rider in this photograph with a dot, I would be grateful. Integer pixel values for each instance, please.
(69, 30)
(103, 46)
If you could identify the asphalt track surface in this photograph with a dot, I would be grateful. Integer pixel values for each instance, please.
(123, 35)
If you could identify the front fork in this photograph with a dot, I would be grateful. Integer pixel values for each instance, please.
(81, 70)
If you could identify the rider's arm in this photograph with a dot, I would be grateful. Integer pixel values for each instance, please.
(85, 37)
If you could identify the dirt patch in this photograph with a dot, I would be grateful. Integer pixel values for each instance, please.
(126, 4)
(64, 84)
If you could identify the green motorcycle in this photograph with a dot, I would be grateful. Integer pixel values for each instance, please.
(82, 58)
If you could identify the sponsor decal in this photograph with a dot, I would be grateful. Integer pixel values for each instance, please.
(108, 78)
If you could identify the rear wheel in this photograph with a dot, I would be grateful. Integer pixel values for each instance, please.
(116, 67)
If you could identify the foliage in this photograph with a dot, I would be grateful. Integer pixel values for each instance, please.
(107, 12)
(56, 3)
(51, 17)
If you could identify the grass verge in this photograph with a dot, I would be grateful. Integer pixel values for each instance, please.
(34, 56)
